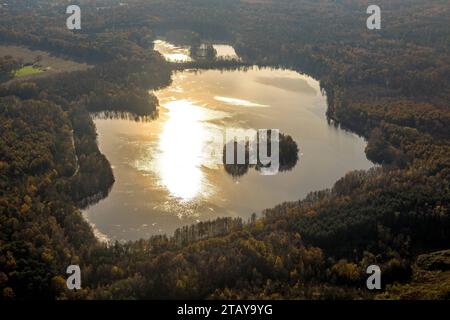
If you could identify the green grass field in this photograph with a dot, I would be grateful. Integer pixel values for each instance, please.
(28, 70)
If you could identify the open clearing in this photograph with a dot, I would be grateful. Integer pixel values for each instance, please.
(27, 71)
(48, 64)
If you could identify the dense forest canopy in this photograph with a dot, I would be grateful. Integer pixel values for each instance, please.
(390, 85)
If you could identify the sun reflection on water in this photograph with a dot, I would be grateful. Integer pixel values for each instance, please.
(181, 143)
(172, 53)
(186, 146)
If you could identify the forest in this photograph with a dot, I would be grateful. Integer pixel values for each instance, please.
(391, 86)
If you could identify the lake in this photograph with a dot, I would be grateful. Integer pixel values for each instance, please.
(166, 175)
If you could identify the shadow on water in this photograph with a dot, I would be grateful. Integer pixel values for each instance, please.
(89, 201)
(106, 189)
(124, 115)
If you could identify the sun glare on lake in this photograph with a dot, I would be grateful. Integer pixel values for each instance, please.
(180, 146)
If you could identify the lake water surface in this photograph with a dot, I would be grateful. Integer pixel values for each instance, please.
(166, 176)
